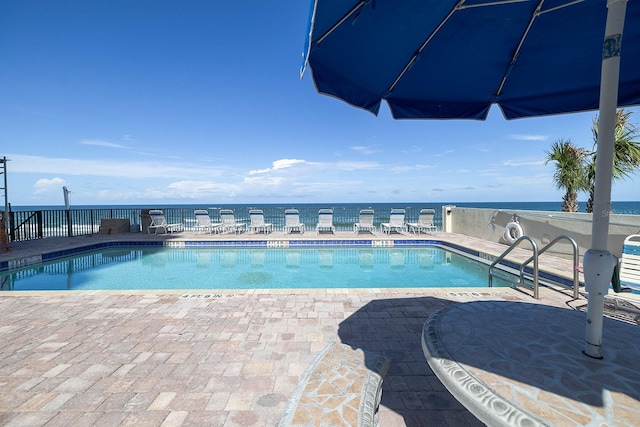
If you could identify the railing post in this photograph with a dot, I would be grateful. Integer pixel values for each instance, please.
(39, 224)
(69, 224)
(12, 228)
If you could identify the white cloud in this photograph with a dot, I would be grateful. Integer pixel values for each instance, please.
(263, 181)
(108, 168)
(286, 163)
(364, 149)
(444, 153)
(100, 143)
(412, 149)
(45, 185)
(518, 163)
(529, 137)
(409, 168)
(351, 166)
(278, 165)
(195, 189)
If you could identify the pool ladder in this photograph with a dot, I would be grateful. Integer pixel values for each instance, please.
(532, 276)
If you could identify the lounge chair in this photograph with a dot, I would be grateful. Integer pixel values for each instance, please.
(365, 222)
(292, 221)
(257, 224)
(325, 221)
(425, 222)
(203, 222)
(229, 223)
(629, 266)
(396, 222)
(159, 222)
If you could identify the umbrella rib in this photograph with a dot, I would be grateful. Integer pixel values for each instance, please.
(415, 56)
(459, 6)
(494, 3)
(561, 6)
(538, 11)
(514, 58)
(340, 21)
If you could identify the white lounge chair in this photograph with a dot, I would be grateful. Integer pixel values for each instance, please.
(396, 222)
(257, 222)
(203, 222)
(365, 222)
(629, 265)
(159, 222)
(292, 221)
(425, 222)
(229, 223)
(325, 221)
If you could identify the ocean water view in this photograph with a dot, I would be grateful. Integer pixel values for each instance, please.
(624, 207)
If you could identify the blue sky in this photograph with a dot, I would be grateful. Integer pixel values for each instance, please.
(163, 102)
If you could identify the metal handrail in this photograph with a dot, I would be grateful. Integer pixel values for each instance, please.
(534, 246)
(576, 261)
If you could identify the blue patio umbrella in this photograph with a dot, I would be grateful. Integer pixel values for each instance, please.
(454, 59)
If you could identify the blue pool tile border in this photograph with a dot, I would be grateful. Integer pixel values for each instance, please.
(94, 247)
(50, 256)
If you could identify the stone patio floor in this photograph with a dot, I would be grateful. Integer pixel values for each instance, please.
(218, 358)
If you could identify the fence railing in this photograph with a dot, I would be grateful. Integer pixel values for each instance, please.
(38, 224)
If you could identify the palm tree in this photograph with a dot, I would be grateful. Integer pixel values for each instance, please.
(626, 152)
(569, 174)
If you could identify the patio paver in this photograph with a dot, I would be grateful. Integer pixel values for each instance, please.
(225, 358)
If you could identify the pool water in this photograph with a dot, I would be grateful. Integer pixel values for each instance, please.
(254, 268)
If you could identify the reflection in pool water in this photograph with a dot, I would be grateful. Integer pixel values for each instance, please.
(251, 268)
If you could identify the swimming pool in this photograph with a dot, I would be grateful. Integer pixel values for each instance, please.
(251, 268)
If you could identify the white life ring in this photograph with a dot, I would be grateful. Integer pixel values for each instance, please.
(512, 232)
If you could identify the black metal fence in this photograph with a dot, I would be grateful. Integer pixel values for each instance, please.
(38, 224)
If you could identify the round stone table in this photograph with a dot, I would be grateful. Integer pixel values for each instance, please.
(521, 364)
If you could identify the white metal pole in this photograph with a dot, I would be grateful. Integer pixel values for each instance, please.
(68, 211)
(598, 261)
(66, 198)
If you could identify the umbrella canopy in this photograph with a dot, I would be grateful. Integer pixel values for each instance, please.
(443, 59)
(453, 59)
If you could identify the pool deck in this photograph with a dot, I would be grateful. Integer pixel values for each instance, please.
(233, 358)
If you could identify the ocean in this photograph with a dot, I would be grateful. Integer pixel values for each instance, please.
(626, 208)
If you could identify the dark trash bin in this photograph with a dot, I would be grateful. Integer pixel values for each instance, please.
(145, 220)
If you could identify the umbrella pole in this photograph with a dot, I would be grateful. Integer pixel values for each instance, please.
(598, 261)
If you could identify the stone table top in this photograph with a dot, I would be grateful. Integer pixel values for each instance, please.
(521, 364)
